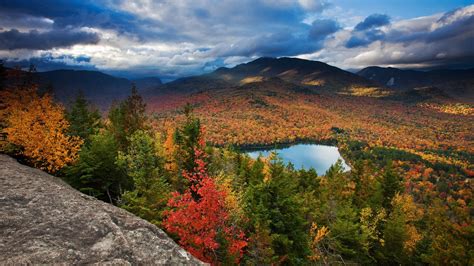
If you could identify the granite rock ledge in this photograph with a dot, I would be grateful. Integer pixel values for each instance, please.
(45, 221)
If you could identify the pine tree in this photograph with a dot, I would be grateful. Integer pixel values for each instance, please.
(391, 185)
(83, 119)
(95, 172)
(144, 164)
(400, 233)
(273, 206)
(127, 117)
(187, 140)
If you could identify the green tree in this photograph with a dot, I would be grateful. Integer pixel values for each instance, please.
(368, 190)
(273, 207)
(145, 165)
(186, 139)
(84, 120)
(95, 172)
(127, 117)
(391, 185)
(337, 212)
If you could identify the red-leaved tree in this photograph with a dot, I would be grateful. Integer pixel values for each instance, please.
(201, 220)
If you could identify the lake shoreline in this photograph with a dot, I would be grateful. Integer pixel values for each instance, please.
(282, 145)
(304, 155)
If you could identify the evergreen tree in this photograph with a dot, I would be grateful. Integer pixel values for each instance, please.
(127, 117)
(368, 190)
(391, 185)
(144, 164)
(394, 237)
(272, 206)
(135, 116)
(83, 119)
(95, 172)
(187, 139)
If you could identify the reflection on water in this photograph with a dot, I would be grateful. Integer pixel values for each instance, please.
(305, 156)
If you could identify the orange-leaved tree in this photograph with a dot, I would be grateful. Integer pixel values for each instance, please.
(37, 125)
(201, 220)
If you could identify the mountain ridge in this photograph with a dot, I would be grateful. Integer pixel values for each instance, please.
(458, 84)
(102, 89)
(97, 86)
(302, 72)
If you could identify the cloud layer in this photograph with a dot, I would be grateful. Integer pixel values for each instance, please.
(174, 38)
(35, 40)
(443, 39)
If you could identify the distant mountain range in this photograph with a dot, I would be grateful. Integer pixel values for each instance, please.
(297, 74)
(98, 87)
(457, 84)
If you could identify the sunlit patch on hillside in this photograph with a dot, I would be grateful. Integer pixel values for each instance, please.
(367, 91)
(314, 82)
(455, 108)
(251, 79)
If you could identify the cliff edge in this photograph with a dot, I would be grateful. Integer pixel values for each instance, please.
(44, 220)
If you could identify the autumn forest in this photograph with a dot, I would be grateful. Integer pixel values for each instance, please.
(176, 160)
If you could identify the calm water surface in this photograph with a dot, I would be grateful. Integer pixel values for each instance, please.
(305, 156)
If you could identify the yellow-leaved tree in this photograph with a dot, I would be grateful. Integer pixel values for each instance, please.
(37, 125)
(170, 150)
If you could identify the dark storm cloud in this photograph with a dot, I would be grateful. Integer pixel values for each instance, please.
(462, 27)
(35, 40)
(321, 28)
(373, 21)
(74, 13)
(19, 20)
(368, 31)
(309, 39)
(365, 38)
(278, 44)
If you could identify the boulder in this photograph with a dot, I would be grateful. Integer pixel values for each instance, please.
(43, 221)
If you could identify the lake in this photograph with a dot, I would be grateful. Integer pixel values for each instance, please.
(305, 156)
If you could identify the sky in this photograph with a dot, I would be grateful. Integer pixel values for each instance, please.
(175, 38)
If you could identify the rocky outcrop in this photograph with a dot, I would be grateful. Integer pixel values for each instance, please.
(44, 220)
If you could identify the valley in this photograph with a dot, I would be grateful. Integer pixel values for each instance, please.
(407, 157)
(272, 110)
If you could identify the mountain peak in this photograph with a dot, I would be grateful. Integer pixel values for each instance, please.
(297, 71)
(282, 60)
